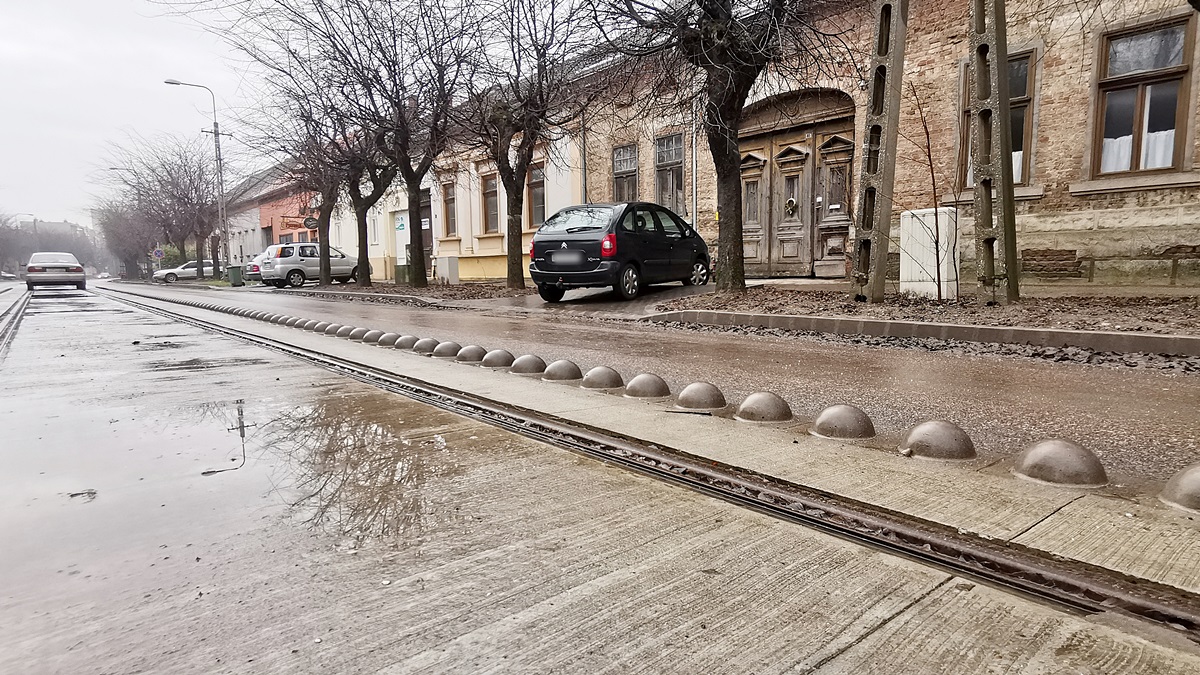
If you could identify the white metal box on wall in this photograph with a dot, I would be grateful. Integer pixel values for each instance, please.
(920, 258)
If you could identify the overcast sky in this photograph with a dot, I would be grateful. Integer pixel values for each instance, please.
(77, 75)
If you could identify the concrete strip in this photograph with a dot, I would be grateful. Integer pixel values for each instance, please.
(1142, 541)
(920, 640)
(973, 502)
(1101, 341)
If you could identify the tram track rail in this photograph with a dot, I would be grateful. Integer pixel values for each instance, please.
(1067, 584)
(10, 320)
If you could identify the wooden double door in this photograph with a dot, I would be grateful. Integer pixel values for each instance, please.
(796, 200)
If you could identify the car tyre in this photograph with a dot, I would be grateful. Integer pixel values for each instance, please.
(551, 293)
(629, 282)
(353, 275)
(295, 279)
(29, 286)
(700, 274)
(171, 278)
(82, 287)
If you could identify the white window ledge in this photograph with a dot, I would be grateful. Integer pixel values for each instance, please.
(1021, 193)
(1156, 181)
(490, 235)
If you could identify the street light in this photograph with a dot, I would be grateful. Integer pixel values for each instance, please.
(216, 132)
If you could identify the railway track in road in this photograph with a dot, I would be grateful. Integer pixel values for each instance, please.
(10, 319)
(1070, 585)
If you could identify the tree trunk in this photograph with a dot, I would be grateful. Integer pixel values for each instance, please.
(214, 243)
(364, 253)
(416, 237)
(514, 200)
(723, 144)
(324, 214)
(199, 255)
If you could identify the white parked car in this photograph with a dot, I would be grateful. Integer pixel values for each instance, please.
(54, 269)
(184, 271)
(293, 264)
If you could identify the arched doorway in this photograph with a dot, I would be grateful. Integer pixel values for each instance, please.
(797, 157)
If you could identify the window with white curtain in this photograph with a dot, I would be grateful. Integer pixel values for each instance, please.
(1142, 98)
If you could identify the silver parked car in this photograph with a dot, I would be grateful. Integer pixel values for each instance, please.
(54, 269)
(184, 271)
(293, 264)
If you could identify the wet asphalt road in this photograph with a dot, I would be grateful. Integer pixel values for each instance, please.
(1144, 425)
(173, 501)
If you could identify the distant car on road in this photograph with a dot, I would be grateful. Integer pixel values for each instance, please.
(8, 276)
(293, 264)
(184, 271)
(626, 246)
(54, 269)
(104, 275)
(253, 271)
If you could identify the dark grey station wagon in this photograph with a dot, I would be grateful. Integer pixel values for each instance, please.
(625, 246)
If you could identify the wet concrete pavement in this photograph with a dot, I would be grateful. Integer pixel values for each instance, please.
(1143, 424)
(369, 533)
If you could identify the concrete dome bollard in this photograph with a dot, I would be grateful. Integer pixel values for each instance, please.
(562, 370)
(291, 323)
(320, 327)
(763, 406)
(701, 396)
(358, 334)
(282, 319)
(843, 422)
(1059, 462)
(446, 350)
(425, 345)
(1183, 490)
(528, 365)
(937, 439)
(602, 377)
(371, 337)
(647, 385)
(333, 328)
(387, 339)
(497, 358)
(471, 354)
(344, 331)
(406, 342)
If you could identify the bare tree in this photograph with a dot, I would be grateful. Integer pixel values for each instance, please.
(713, 52)
(172, 180)
(535, 77)
(128, 233)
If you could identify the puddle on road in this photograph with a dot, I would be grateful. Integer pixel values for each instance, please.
(200, 363)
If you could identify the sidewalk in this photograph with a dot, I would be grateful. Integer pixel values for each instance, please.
(1122, 529)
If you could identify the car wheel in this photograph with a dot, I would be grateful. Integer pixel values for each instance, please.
(699, 275)
(82, 287)
(629, 282)
(551, 293)
(353, 275)
(295, 279)
(278, 284)
(171, 278)
(29, 286)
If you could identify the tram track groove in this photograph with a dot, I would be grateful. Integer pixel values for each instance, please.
(1068, 584)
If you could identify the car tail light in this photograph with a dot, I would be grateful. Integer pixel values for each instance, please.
(31, 268)
(531, 250)
(74, 269)
(608, 245)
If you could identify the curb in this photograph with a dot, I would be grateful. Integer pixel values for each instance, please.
(397, 297)
(1148, 343)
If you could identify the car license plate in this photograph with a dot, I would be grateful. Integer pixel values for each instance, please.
(566, 257)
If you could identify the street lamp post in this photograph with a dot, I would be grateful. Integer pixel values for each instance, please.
(216, 132)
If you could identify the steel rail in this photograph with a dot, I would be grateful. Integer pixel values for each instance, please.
(10, 319)
(1069, 584)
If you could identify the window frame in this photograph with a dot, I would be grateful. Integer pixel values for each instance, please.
(531, 221)
(1028, 100)
(625, 176)
(674, 168)
(1181, 73)
(490, 227)
(449, 211)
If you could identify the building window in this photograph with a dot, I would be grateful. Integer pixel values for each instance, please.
(668, 172)
(625, 174)
(537, 197)
(301, 237)
(374, 230)
(1142, 96)
(491, 206)
(1021, 71)
(285, 238)
(449, 212)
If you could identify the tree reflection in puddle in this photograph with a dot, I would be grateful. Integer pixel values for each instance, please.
(359, 463)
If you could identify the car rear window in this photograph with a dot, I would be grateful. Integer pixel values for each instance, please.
(284, 252)
(53, 258)
(580, 219)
